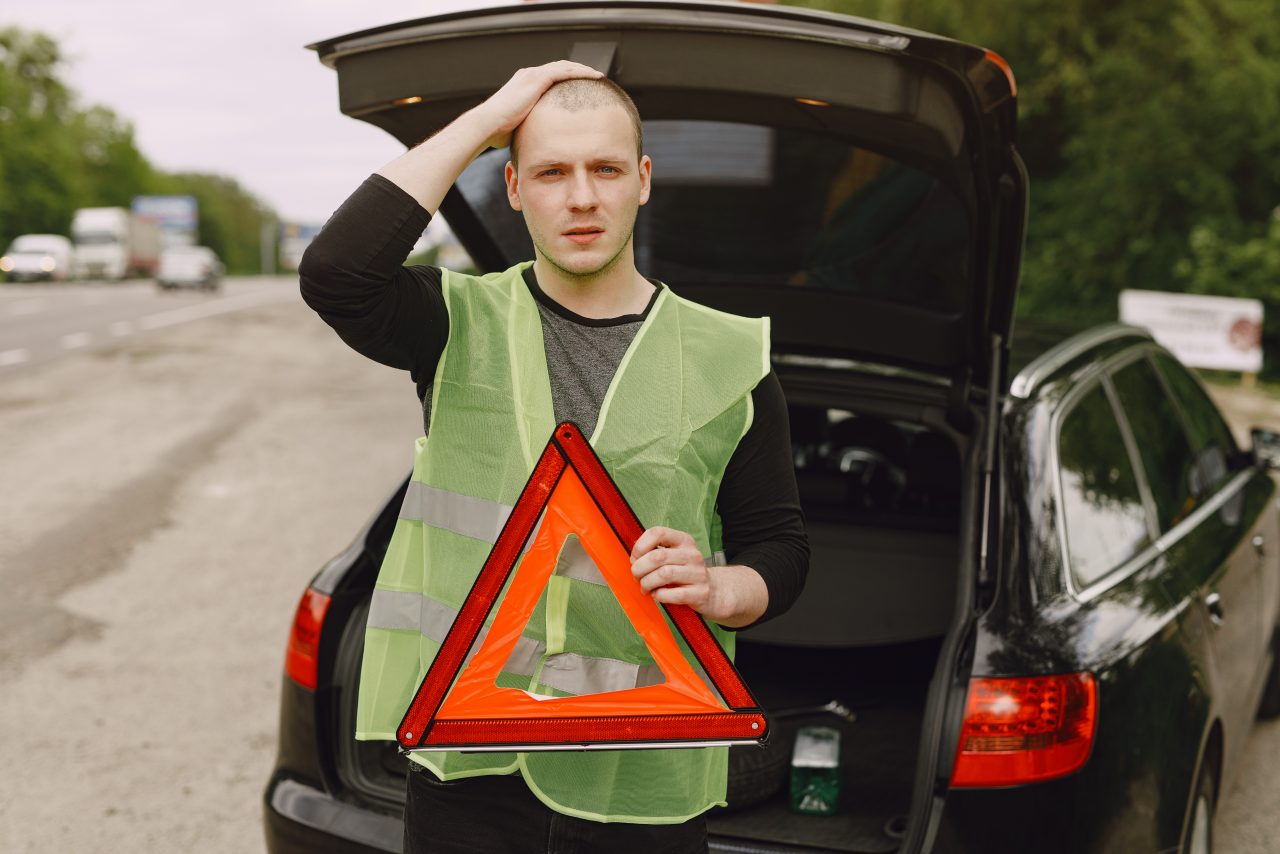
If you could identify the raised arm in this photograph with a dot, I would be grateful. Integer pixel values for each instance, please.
(428, 170)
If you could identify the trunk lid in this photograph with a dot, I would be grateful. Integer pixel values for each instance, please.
(857, 182)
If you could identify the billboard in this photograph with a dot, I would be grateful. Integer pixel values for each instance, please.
(294, 239)
(177, 216)
(1224, 333)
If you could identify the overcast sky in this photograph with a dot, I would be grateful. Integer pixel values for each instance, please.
(228, 87)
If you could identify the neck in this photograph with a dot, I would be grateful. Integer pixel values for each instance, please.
(614, 291)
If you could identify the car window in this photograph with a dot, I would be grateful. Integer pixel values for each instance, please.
(752, 205)
(1167, 458)
(1211, 439)
(1106, 523)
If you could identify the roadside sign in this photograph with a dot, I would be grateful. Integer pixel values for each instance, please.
(177, 216)
(571, 493)
(1224, 333)
(295, 237)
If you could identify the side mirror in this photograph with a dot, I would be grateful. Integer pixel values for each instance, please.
(1266, 447)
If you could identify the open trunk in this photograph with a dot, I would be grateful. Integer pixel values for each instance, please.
(880, 483)
(881, 493)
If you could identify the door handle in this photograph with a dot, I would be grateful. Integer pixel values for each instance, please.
(1214, 603)
(1260, 544)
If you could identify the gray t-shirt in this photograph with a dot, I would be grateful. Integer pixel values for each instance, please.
(583, 354)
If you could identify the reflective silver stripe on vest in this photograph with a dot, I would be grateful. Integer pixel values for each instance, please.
(477, 518)
(391, 609)
(582, 674)
(575, 563)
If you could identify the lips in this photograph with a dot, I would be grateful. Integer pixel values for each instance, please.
(583, 235)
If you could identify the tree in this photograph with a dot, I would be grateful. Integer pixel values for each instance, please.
(1151, 132)
(56, 157)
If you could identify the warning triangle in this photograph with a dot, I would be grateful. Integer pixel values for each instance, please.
(570, 492)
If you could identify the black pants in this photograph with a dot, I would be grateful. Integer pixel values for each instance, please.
(496, 815)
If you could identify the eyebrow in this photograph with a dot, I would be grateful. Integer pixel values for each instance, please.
(610, 159)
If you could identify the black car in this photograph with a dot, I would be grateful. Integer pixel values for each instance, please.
(1042, 600)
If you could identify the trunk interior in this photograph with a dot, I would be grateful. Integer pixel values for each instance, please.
(881, 495)
(881, 487)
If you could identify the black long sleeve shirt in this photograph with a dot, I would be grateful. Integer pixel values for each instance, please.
(353, 275)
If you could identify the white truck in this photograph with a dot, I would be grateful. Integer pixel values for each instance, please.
(113, 243)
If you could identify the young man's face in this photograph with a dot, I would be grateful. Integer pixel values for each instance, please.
(579, 186)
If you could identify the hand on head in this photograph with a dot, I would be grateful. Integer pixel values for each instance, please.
(509, 106)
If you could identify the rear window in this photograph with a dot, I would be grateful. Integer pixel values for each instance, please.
(864, 469)
(1106, 522)
(1214, 445)
(1157, 430)
(754, 205)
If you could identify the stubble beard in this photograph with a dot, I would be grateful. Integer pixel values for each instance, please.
(585, 276)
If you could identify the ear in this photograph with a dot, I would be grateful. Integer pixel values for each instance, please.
(646, 176)
(513, 186)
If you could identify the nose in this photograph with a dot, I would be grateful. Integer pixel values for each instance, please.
(582, 191)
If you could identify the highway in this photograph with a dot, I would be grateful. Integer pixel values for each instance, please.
(39, 322)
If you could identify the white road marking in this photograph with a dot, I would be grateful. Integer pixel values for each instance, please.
(74, 340)
(14, 357)
(29, 306)
(121, 327)
(213, 307)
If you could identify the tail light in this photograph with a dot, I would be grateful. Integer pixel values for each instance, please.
(1026, 729)
(302, 658)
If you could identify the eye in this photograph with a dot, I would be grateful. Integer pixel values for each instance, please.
(612, 168)
(547, 172)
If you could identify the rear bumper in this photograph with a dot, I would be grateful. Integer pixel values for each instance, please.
(300, 819)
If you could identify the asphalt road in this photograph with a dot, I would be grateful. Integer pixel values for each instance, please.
(168, 494)
(39, 322)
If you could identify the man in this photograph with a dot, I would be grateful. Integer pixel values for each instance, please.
(678, 401)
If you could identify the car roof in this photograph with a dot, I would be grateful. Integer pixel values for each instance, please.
(1053, 362)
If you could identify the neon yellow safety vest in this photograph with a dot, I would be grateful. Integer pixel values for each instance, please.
(675, 411)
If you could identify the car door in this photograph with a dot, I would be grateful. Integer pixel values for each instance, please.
(1210, 565)
(1221, 469)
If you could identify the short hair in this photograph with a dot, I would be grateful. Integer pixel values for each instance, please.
(588, 93)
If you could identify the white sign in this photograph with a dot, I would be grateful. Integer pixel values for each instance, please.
(1203, 331)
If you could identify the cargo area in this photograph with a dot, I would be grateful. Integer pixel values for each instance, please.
(881, 495)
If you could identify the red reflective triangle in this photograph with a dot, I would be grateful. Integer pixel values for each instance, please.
(573, 494)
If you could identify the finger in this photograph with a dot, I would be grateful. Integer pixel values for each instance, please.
(659, 536)
(695, 596)
(663, 555)
(673, 575)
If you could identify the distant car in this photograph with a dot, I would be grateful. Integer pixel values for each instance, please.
(37, 257)
(1043, 576)
(189, 267)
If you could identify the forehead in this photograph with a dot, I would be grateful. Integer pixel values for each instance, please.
(551, 132)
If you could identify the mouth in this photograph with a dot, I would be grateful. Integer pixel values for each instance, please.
(583, 234)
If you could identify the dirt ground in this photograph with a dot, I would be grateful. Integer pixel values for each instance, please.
(165, 503)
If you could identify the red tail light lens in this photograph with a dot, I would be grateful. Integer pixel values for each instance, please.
(302, 657)
(1025, 730)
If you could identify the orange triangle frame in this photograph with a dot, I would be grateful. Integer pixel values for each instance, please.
(572, 493)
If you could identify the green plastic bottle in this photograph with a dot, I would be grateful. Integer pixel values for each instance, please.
(815, 771)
